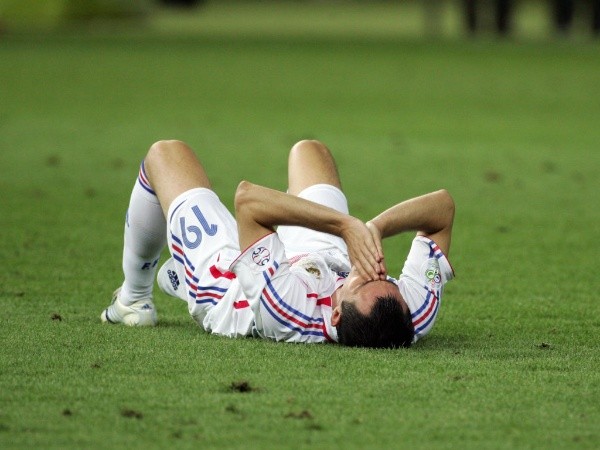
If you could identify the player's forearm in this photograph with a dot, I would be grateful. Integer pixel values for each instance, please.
(428, 213)
(259, 209)
(270, 208)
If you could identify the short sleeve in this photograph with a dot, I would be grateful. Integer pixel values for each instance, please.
(422, 281)
(286, 303)
(257, 264)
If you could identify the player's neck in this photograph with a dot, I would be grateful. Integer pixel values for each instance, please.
(335, 298)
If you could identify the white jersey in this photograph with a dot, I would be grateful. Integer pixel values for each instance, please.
(422, 281)
(272, 290)
(273, 299)
(291, 300)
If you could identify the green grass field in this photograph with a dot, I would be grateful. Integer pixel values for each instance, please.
(509, 128)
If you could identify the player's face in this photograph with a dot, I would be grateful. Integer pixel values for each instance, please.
(364, 293)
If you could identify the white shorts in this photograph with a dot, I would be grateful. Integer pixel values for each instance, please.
(300, 240)
(202, 236)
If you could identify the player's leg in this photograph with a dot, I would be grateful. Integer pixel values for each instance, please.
(201, 233)
(169, 169)
(313, 175)
(173, 168)
(310, 162)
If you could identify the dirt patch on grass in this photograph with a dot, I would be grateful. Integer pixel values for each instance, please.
(492, 176)
(131, 414)
(242, 386)
(53, 161)
(304, 414)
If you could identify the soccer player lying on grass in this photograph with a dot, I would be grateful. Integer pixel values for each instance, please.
(319, 277)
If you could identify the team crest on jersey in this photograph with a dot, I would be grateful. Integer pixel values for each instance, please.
(261, 256)
(313, 270)
(433, 274)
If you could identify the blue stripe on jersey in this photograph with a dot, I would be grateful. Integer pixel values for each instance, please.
(433, 251)
(176, 239)
(173, 212)
(428, 321)
(288, 307)
(288, 324)
(437, 251)
(213, 288)
(424, 305)
(189, 263)
(206, 300)
(182, 254)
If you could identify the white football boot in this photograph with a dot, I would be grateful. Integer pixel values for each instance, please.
(140, 313)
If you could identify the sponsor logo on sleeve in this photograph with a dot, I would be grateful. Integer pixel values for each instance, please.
(261, 256)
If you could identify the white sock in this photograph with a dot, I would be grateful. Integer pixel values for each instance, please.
(145, 237)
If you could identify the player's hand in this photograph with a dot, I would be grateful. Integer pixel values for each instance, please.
(377, 239)
(364, 250)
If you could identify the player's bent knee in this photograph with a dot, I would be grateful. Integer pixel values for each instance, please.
(165, 149)
(166, 146)
(165, 155)
(309, 145)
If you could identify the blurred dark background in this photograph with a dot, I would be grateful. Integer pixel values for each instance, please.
(505, 18)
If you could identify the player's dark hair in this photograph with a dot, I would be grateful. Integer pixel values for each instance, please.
(386, 326)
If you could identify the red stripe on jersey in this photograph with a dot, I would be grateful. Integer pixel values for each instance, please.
(297, 258)
(324, 329)
(320, 301)
(324, 301)
(216, 273)
(205, 293)
(177, 249)
(241, 304)
(287, 316)
(428, 312)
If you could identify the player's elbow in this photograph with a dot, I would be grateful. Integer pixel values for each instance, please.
(243, 196)
(446, 206)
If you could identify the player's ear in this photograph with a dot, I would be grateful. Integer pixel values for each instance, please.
(336, 316)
